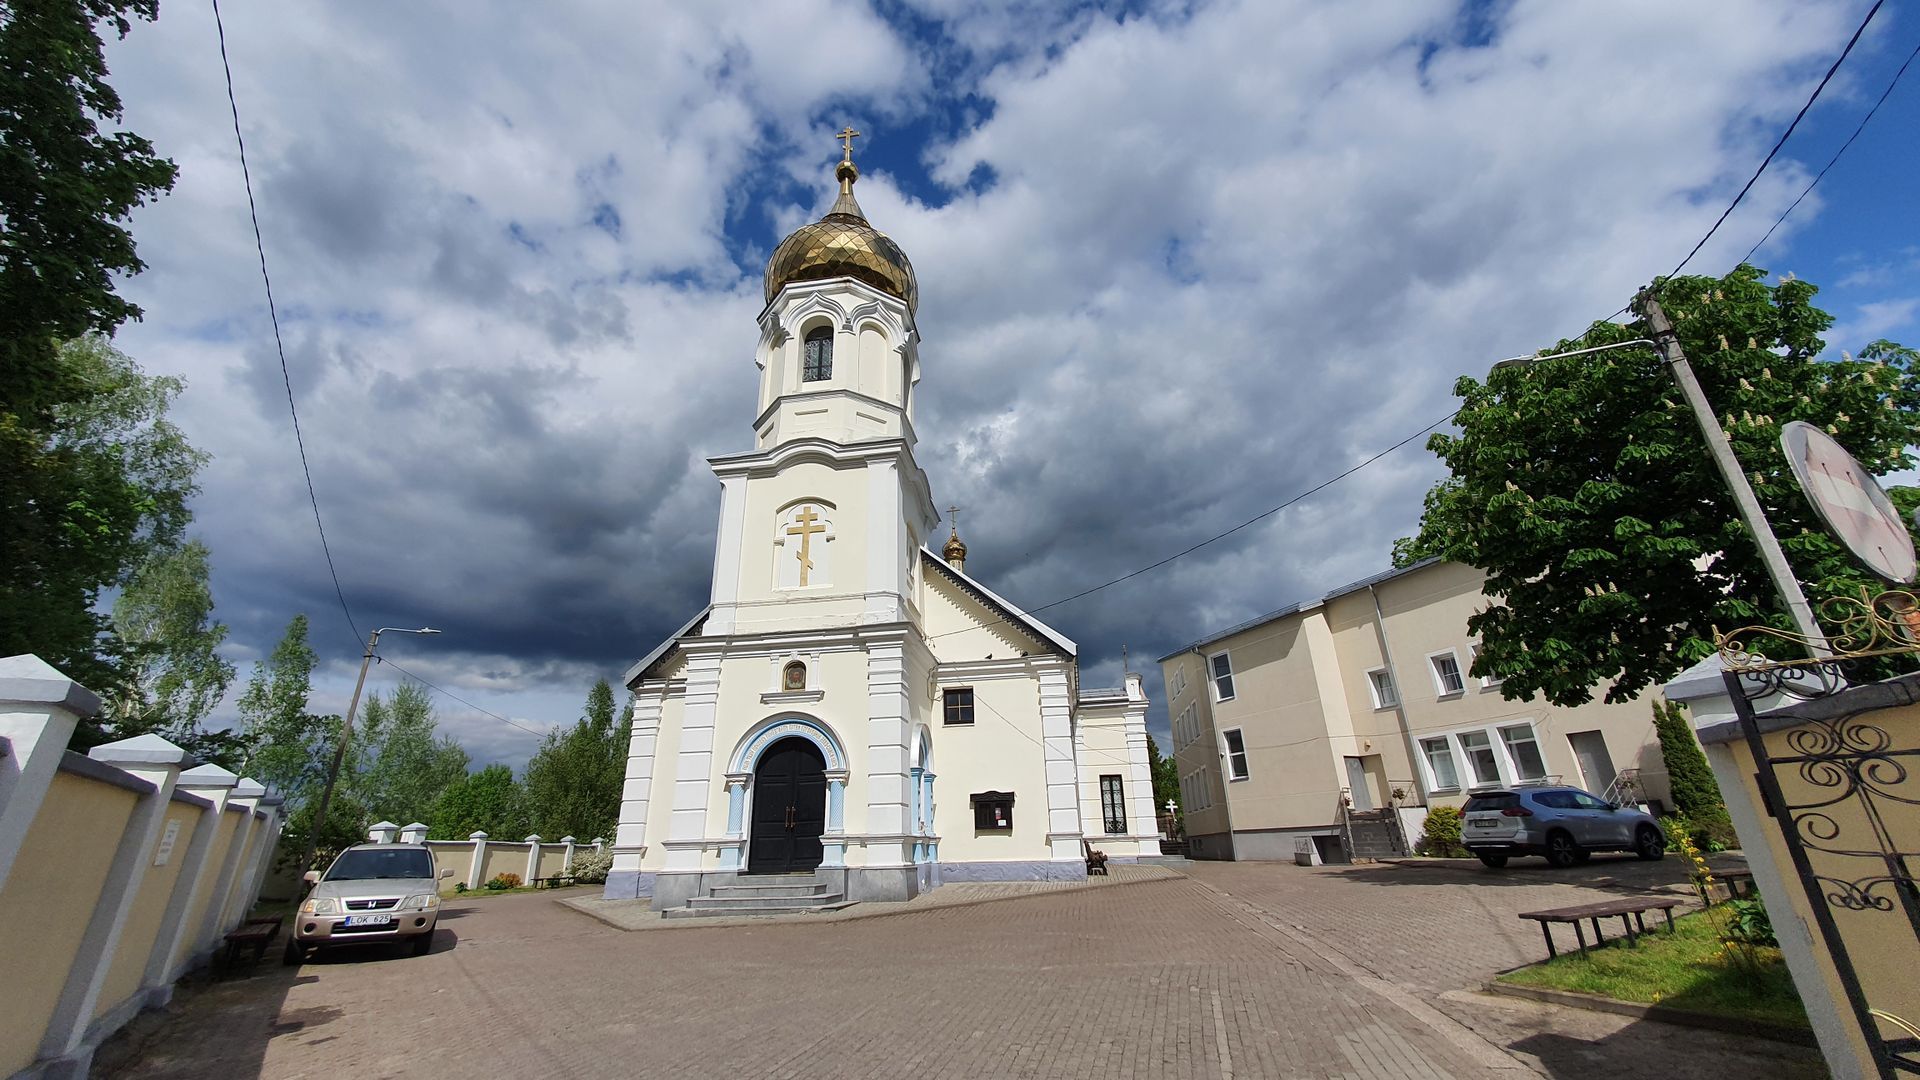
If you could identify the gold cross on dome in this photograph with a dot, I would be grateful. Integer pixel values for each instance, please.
(846, 137)
(804, 526)
(953, 519)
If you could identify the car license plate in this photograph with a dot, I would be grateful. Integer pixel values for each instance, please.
(1485, 824)
(369, 920)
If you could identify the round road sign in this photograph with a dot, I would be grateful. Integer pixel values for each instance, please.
(1850, 501)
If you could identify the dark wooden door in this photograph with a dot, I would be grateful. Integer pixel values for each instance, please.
(789, 809)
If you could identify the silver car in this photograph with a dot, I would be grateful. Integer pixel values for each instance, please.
(372, 894)
(1565, 824)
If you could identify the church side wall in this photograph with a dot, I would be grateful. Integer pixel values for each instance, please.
(666, 765)
(1102, 750)
(1000, 751)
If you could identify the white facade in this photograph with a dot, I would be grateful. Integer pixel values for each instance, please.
(847, 693)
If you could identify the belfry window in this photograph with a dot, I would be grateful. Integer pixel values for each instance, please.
(819, 360)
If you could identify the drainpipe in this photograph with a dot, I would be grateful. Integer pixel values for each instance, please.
(1399, 702)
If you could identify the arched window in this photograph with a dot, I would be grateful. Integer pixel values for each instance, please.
(794, 676)
(819, 362)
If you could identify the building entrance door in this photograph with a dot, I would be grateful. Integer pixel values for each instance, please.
(1358, 789)
(789, 809)
(1596, 767)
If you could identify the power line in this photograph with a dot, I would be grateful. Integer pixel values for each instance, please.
(1724, 214)
(1884, 94)
(273, 313)
(458, 698)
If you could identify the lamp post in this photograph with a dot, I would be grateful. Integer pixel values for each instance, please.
(1721, 451)
(346, 732)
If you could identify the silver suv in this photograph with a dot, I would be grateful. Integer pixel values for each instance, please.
(372, 894)
(1565, 824)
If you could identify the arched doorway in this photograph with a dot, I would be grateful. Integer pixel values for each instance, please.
(789, 808)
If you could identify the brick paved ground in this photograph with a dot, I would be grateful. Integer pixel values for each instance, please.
(1204, 977)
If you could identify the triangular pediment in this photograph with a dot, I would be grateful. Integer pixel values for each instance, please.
(964, 620)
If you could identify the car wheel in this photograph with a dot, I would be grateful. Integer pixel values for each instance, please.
(423, 943)
(294, 955)
(1493, 860)
(1562, 852)
(1649, 844)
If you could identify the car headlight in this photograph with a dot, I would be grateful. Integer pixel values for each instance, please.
(425, 901)
(323, 905)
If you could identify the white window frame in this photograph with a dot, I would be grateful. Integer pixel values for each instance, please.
(1188, 727)
(1213, 679)
(1383, 701)
(1440, 689)
(1513, 762)
(1504, 763)
(1487, 682)
(1227, 755)
(1426, 763)
(1177, 684)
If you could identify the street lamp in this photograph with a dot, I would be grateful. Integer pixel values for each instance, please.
(346, 732)
(1721, 451)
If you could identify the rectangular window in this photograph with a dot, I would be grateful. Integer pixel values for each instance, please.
(1439, 755)
(1524, 751)
(959, 705)
(1480, 759)
(1446, 673)
(1221, 666)
(1487, 682)
(1236, 754)
(1113, 807)
(1384, 695)
(992, 811)
(1178, 683)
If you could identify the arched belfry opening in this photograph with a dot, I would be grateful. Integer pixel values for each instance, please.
(817, 363)
(789, 808)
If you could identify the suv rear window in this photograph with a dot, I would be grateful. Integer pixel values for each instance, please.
(1498, 800)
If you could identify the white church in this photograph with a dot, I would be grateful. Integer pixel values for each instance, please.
(853, 717)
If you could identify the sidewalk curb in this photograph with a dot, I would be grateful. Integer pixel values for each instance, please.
(1665, 1014)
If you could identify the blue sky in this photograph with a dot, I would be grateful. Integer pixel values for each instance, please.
(1178, 261)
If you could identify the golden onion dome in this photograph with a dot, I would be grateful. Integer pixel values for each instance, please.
(842, 244)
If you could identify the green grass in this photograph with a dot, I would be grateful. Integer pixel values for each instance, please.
(1687, 970)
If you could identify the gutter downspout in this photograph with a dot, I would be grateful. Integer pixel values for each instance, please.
(1400, 702)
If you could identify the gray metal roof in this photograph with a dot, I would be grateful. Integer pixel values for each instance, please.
(1295, 608)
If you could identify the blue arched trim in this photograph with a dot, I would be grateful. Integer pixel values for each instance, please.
(772, 730)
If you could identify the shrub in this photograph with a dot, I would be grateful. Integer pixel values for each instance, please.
(1711, 831)
(1695, 793)
(590, 867)
(1440, 834)
(459, 887)
(1749, 924)
(501, 882)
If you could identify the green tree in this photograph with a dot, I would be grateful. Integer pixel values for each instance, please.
(1689, 777)
(1166, 776)
(489, 801)
(285, 743)
(573, 781)
(1582, 489)
(175, 674)
(398, 764)
(91, 477)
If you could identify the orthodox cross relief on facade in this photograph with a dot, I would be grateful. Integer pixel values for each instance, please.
(805, 525)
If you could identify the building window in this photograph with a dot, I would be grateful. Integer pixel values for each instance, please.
(959, 705)
(1480, 760)
(993, 811)
(1446, 673)
(1384, 695)
(1524, 751)
(1439, 755)
(1221, 665)
(1185, 730)
(1236, 754)
(793, 676)
(1487, 682)
(819, 362)
(1196, 791)
(1178, 684)
(1113, 807)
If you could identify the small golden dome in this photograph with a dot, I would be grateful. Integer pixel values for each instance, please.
(842, 244)
(955, 552)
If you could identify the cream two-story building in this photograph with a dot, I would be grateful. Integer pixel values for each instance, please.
(1361, 701)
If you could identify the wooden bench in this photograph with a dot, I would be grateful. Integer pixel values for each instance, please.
(557, 881)
(1738, 882)
(1096, 860)
(256, 934)
(1629, 911)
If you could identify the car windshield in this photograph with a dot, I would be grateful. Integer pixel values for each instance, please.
(1497, 800)
(362, 863)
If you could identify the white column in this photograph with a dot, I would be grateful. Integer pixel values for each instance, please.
(727, 549)
(479, 841)
(415, 833)
(231, 909)
(887, 755)
(566, 863)
(833, 843)
(39, 708)
(694, 776)
(157, 763)
(533, 858)
(198, 872)
(382, 832)
(239, 800)
(1140, 818)
(275, 808)
(1063, 780)
(636, 797)
(736, 824)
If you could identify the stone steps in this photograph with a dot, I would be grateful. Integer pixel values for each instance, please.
(763, 894)
(734, 910)
(805, 887)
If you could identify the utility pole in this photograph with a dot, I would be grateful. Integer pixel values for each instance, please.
(1721, 451)
(346, 733)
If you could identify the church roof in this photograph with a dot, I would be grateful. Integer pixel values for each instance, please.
(641, 667)
(1060, 642)
(842, 244)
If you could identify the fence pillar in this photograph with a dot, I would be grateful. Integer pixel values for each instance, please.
(566, 864)
(479, 858)
(533, 857)
(39, 708)
(415, 833)
(275, 808)
(241, 800)
(198, 871)
(71, 1034)
(382, 832)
